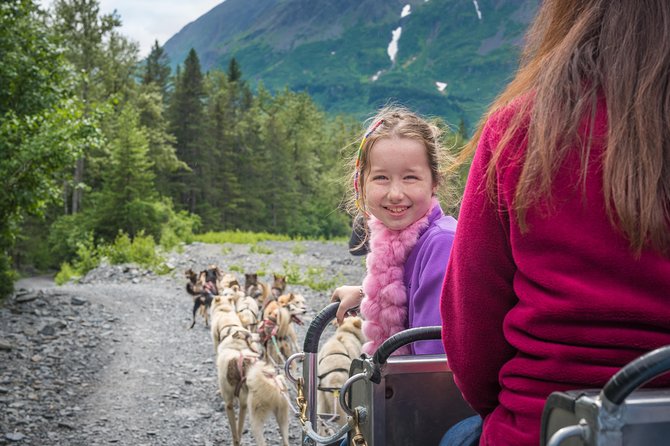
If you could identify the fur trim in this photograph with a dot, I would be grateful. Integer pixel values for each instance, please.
(384, 306)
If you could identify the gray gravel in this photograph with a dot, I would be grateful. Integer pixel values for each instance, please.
(111, 360)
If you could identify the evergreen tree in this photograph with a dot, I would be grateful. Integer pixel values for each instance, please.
(234, 71)
(157, 69)
(127, 200)
(187, 125)
(161, 143)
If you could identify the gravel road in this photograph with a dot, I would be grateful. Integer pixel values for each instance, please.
(111, 360)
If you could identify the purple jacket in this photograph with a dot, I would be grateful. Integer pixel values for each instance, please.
(424, 275)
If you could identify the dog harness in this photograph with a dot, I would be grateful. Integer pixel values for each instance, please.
(337, 369)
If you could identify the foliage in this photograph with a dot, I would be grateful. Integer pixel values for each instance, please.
(140, 250)
(260, 249)
(179, 228)
(157, 69)
(66, 274)
(187, 125)
(236, 268)
(42, 129)
(102, 61)
(239, 237)
(313, 277)
(298, 249)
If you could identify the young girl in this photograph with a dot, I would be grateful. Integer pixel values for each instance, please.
(395, 180)
(560, 272)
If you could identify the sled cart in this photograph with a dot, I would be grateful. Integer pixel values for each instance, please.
(399, 400)
(620, 414)
(389, 400)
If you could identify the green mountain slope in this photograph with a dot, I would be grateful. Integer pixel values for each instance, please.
(338, 50)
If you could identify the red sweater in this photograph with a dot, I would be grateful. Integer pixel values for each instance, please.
(562, 306)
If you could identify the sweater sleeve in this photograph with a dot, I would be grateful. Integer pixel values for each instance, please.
(426, 295)
(477, 292)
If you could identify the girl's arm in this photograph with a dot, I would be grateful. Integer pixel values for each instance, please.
(478, 292)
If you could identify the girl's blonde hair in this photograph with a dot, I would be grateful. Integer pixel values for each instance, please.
(578, 51)
(396, 122)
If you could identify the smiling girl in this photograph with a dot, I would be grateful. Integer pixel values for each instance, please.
(396, 177)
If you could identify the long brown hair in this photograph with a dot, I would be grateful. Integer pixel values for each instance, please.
(577, 50)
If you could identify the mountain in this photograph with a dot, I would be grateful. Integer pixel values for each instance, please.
(442, 57)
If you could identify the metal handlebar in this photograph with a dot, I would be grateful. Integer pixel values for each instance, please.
(635, 374)
(287, 366)
(316, 327)
(345, 388)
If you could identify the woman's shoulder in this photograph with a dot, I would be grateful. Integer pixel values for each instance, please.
(502, 116)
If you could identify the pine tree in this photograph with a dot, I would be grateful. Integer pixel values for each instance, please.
(234, 71)
(187, 125)
(129, 193)
(157, 69)
(152, 119)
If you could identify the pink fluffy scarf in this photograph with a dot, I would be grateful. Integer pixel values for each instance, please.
(384, 306)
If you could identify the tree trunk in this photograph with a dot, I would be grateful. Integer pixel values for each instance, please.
(77, 191)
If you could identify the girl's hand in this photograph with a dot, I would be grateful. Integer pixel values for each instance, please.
(349, 297)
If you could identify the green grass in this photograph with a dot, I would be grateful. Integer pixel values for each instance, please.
(260, 249)
(252, 238)
(240, 237)
(312, 277)
(298, 249)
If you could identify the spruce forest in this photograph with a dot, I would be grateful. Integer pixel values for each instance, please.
(97, 145)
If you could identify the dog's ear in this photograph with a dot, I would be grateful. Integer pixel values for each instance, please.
(358, 323)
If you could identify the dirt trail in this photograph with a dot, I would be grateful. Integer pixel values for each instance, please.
(121, 365)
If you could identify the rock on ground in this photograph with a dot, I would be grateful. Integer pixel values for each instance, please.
(112, 361)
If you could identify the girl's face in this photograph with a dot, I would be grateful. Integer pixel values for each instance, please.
(399, 185)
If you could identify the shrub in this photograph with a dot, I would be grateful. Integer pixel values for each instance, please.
(259, 249)
(65, 274)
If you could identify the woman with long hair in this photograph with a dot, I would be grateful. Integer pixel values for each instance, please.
(560, 272)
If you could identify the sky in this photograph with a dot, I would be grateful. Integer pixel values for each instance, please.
(145, 21)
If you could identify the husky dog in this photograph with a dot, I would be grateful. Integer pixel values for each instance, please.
(278, 322)
(334, 360)
(202, 291)
(236, 354)
(252, 287)
(267, 393)
(270, 292)
(247, 310)
(224, 317)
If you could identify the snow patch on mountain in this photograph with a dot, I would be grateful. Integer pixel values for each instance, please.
(392, 49)
(479, 12)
